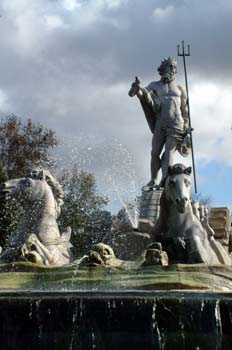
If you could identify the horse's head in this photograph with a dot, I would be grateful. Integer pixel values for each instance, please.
(134, 87)
(26, 189)
(177, 187)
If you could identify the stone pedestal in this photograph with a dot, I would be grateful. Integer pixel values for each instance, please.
(150, 205)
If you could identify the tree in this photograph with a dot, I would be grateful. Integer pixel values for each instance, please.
(206, 200)
(80, 203)
(24, 145)
(4, 219)
(3, 176)
(8, 212)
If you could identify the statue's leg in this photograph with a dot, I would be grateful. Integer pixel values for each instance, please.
(158, 141)
(196, 252)
(168, 157)
(198, 247)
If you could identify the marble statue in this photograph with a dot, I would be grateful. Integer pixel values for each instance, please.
(37, 237)
(165, 106)
(182, 234)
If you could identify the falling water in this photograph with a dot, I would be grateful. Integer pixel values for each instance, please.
(112, 165)
(155, 327)
(93, 339)
(202, 305)
(218, 316)
(131, 208)
(218, 325)
(74, 324)
(168, 322)
(182, 326)
(39, 321)
(31, 310)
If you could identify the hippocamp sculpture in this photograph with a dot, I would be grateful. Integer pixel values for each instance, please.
(181, 233)
(37, 237)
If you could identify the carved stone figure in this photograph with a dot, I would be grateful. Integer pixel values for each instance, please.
(100, 255)
(155, 255)
(165, 107)
(103, 255)
(179, 230)
(37, 237)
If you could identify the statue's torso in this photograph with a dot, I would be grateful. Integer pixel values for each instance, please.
(169, 97)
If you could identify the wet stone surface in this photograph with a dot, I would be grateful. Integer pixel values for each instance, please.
(115, 309)
(116, 321)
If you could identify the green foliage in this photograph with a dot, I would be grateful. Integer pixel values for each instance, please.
(80, 202)
(4, 219)
(8, 213)
(24, 145)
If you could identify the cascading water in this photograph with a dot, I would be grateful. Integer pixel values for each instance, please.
(118, 321)
(131, 208)
(112, 165)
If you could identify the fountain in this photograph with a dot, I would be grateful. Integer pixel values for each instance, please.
(163, 282)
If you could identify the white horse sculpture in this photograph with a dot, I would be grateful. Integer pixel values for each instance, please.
(183, 236)
(37, 237)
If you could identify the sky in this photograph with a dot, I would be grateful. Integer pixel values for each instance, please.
(69, 64)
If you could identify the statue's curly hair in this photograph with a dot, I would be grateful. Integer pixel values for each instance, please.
(165, 62)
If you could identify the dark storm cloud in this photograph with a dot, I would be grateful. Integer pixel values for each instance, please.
(138, 34)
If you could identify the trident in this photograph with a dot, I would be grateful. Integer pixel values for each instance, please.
(184, 54)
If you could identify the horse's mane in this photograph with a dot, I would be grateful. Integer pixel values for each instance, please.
(178, 169)
(56, 190)
(53, 184)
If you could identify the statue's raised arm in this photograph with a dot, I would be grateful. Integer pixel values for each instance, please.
(148, 99)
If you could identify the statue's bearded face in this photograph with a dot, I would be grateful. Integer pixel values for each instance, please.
(168, 72)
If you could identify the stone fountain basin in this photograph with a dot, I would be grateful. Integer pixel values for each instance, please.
(195, 277)
(171, 307)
